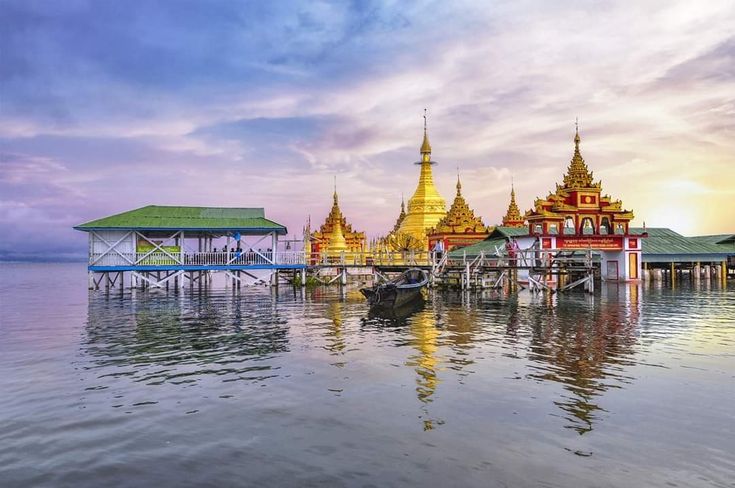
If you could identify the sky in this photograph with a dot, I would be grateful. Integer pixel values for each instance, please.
(106, 106)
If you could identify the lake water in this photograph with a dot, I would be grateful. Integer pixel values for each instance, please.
(633, 387)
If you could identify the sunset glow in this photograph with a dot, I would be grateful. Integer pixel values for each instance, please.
(107, 107)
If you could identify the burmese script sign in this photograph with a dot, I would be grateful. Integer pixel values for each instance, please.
(590, 242)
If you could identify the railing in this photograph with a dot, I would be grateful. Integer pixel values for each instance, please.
(383, 258)
(241, 258)
(250, 258)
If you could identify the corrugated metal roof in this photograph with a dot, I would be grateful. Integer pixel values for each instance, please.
(501, 231)
(662, 241)
(487, 246)
(726, 239)
(156, 217)
(665, 243)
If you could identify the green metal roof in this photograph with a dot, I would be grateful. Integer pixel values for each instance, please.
(661, 244)
(497, 238)
(156, 217)
(487, 246)
(501, 231)
(666, 242)
(726, 239)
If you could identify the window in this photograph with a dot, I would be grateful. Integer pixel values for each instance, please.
(587, 227)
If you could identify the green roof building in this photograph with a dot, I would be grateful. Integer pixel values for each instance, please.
(157, 244)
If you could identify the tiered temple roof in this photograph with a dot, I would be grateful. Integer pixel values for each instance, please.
(577, 206)
(336, 234)
(513, 217)
(460, 227)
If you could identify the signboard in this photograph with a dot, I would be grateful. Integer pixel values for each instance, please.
(606, 243)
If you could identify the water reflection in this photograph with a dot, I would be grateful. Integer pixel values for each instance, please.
(585, 346)
(156, 339)
(582, 343)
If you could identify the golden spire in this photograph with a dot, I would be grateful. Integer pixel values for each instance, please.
(335, 191)
(460, 218)
(513, 217)
(425, 146)
(426, 207)
(578, 175)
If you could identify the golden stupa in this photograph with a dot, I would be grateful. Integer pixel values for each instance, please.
(336, 234)
(426, 207)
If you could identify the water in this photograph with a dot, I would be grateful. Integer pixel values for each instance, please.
(634, 387)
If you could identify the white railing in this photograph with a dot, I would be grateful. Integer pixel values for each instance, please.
(383, 258)
(250, 258)
(241, 258)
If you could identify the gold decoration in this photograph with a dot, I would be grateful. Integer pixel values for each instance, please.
(401, 216)
(578, 175)
(461, 218)
(577, 201)
(426, 207)
(336, 234)
(513, 217)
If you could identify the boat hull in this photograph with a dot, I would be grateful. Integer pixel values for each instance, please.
(407, 288)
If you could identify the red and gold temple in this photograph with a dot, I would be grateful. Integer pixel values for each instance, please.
(578, 217)
(577, 207)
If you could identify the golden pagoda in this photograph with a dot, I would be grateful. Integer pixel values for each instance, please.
(426, 207)
(336, 234)
(577, 206)
(513, 217)
(459, 227)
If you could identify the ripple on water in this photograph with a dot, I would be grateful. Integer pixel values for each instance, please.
(631, 386)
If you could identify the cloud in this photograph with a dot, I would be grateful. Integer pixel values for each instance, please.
(108, 106)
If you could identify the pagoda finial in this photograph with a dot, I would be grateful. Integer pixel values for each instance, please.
(578, 175)
(459, 183)
(425, 146)
(513, 217)
(335, 190)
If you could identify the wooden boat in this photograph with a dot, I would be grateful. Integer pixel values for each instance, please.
(399, 291)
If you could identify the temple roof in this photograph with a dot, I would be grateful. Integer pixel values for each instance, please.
(578, 174)
(335, 230)
(460, 218)
(513, 217)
